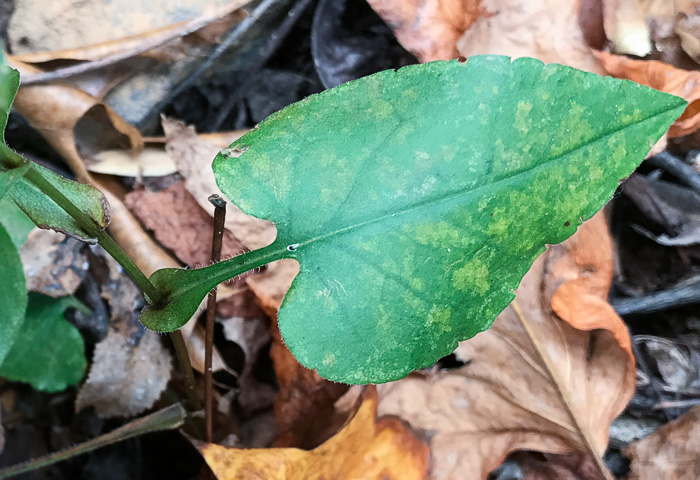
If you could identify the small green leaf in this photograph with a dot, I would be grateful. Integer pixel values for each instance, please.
(416, 200)
(48, 353)
(13, 293)
(22, 181)
(46, 213)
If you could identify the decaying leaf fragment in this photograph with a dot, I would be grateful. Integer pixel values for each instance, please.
(664, 77)
(532, 381)
(671, 452)
(130, 367)
(365, 448)
(54, 264)
(429, 28)
(545, 29)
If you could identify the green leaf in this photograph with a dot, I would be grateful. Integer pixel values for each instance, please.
(9, 84)
(416, 200)
(17, 224)
(26, 182)
(46, 213)
(48, 353)
(13, 293)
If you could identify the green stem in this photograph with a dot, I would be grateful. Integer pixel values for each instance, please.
(184, 359)
(85, 222)
(167, 419)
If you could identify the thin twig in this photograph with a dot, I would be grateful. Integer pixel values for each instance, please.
(216, 242)
(166, 419)
(678, 296)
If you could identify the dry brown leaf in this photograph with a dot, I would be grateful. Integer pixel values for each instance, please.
(429, 29)
(670, 453)
(664, 77)
(73, 25)
(544, 29)
(304, 405)
(73, 122)
(364, 449)
(180, 224)
(130, 367)
(658, 27)
(271, 285)
(532, 381)
(54, 264)
(193, 157)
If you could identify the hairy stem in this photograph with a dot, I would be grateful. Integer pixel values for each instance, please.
(86, 223)
(167, 419)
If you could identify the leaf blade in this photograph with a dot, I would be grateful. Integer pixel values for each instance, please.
(48, 353)
(402, 195)
(13, 295)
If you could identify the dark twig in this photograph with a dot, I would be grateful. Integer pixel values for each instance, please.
(678, 296)
(156, 41)
(644, 367)
(216, 242)
(166, 419)
(272, 45)
(186, 365)
(229, 41)
(678, 168)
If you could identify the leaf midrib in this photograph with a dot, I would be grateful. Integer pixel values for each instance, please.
(475, 191)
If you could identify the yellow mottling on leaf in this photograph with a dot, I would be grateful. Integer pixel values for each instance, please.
(329, 359)
(439, 317)
(473, 276)
(521, 117)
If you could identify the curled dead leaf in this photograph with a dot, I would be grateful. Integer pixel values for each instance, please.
(532, 381)
(365, 448)
(130, 367)
(429, 28)
(664, 77)
(544, 29)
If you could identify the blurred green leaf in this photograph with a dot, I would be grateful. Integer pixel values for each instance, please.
(48, 352)
(17, 224)
(26, 186)
(13, 293)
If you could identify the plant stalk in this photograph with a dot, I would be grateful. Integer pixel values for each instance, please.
(86, 223)
(216, 242)
(168, 418)
(184, 359)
